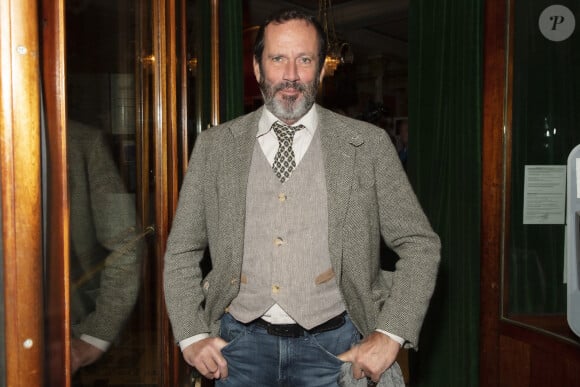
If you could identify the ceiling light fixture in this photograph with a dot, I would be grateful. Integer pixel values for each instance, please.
(339, 51)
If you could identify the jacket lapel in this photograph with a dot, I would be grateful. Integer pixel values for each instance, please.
(339, 143)
(243, 136)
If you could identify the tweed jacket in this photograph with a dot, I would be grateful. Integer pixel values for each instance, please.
(369, 196)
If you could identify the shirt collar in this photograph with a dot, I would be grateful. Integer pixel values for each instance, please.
(309, 121)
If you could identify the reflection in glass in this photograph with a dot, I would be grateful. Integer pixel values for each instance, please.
(112, 310)
(546, 96)
(105, 246)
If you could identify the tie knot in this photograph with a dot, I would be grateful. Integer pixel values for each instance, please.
(284, 131)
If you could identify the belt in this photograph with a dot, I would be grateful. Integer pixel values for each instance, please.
(295, 330)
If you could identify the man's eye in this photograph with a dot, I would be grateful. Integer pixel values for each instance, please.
(305, 60)
(277, 59)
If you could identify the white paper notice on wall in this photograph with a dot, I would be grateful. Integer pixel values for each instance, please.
(557, 23)
(545, 194)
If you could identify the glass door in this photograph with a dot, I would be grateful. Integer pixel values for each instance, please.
(118, 79)
(529, 127)
(109, 130)
(544, 86)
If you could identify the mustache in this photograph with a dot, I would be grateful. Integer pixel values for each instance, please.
(290, 85)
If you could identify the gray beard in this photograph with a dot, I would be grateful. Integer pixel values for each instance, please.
(289, 108)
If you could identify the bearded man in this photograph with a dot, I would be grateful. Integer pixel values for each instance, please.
(292, 200)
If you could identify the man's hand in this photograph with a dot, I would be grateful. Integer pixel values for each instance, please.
(206, 356)
(83, 354)
(372, 356)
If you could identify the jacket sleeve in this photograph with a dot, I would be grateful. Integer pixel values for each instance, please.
(186, 245)
(406, 230)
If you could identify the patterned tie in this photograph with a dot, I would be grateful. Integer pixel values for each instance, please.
(284, 161)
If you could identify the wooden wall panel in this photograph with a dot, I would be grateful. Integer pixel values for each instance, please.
(514, 357)
(527, 360)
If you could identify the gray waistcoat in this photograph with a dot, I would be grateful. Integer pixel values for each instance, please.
(286, 258)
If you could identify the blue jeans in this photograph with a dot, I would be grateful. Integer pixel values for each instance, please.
(256, 358)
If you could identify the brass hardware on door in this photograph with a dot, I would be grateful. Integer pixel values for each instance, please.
(192, 65)
(148, 60)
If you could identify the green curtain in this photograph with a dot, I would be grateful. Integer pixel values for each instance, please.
(231, 60)
(230, 68)
(202, 31)
(445, 102)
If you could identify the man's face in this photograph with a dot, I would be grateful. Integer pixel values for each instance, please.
(288, 75)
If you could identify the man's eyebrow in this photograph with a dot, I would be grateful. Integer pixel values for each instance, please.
(305, 53)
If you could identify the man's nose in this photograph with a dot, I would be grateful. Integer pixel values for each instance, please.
(291, 72)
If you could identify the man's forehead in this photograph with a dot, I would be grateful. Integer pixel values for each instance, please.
(276, 32)
(298, 23)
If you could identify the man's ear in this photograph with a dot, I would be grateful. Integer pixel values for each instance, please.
(321, 74)
(256, 70)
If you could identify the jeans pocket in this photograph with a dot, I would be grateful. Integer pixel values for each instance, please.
(328, 353)
(337, 341)
(231, 331)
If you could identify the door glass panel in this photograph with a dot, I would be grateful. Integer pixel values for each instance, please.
(113, 302)
(545, 128)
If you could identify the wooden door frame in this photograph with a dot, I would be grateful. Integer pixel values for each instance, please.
(57, 289)
(166, 132)
(20, 167)
(494, 86)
